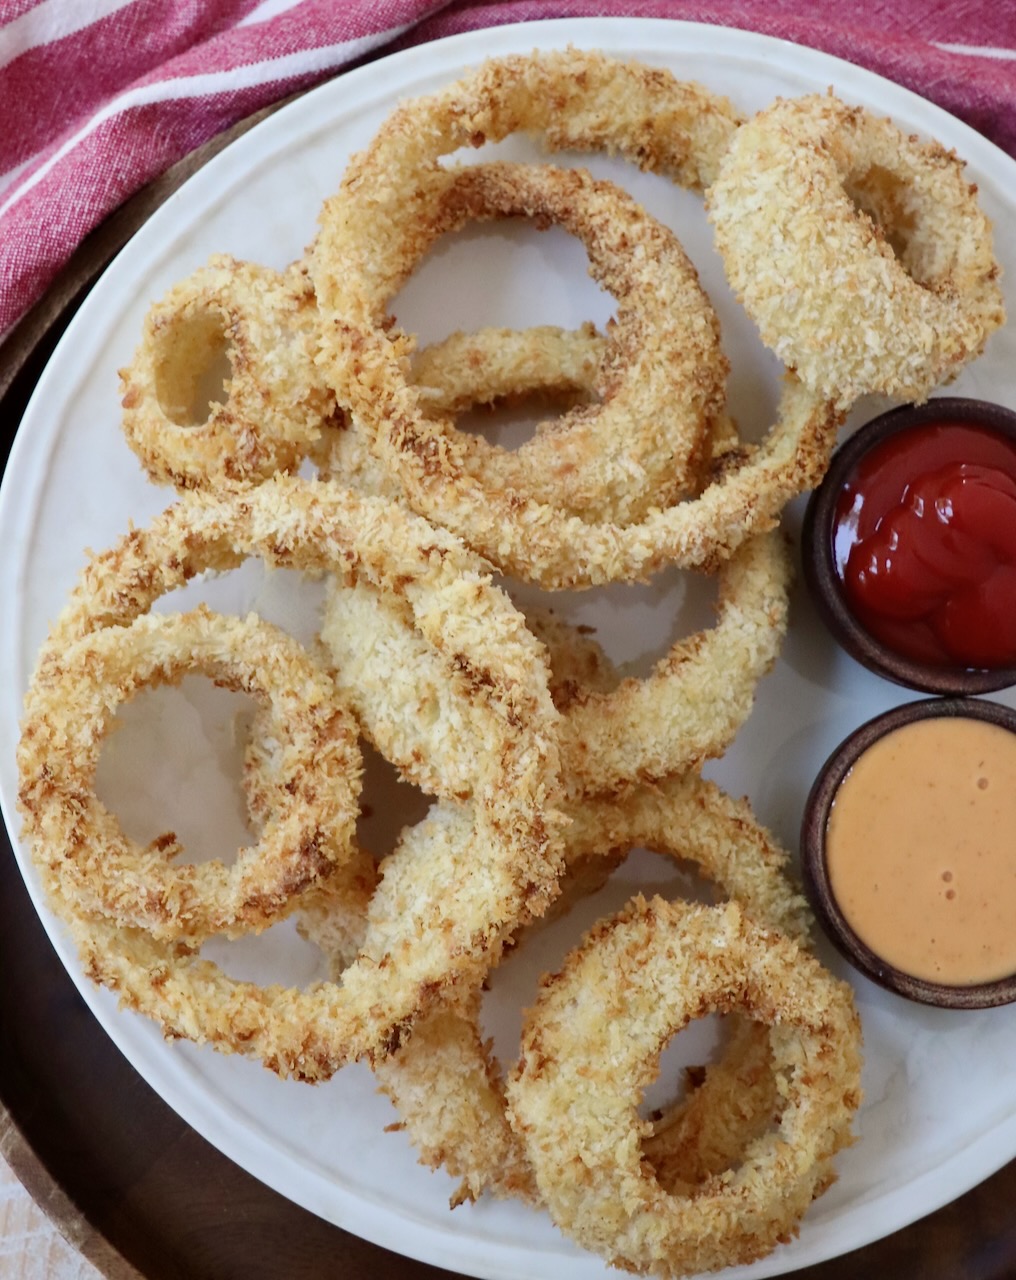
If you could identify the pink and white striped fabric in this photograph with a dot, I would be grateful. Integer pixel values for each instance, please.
(97, 97)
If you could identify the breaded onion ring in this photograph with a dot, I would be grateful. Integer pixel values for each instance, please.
(446, 1084)
(363, 230)
(684, 712)
(81, 849)
(412, 946)
(452, 915)
(468, 369)
(861, 253)
(590, 1046)
(537, 542)
(662, 374)
(483, 368)
(265, 325)
(585, 100)
(688, 709)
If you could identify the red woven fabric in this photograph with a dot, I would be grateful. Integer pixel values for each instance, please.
(97, 97)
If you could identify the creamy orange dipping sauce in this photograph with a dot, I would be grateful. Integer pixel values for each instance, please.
(921, 850)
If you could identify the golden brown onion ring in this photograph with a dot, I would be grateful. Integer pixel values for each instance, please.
(257, 326)
(412, 946)
(689, 707)
(80, 847)
(662, 374)
(447, 1086)
(684, 712)
(450, 919)
(535, 541)
(489, 366)
(591, 1044)
(466, 370)
(529, 538)
(469, 369)
(570, 100)
(861, 253)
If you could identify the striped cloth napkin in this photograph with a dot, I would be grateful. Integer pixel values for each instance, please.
(97, 97)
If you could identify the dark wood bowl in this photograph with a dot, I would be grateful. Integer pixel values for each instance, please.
(814, 870)
(824, 581)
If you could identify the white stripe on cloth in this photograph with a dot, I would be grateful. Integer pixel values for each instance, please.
(306, 61)
(267, 9)
(977, 50)
(52, 20)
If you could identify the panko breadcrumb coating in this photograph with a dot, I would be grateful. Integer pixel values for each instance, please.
(591, 1043)
(469, 369)
(84, 854)
(451, 914)
(684, 712)
(662, 374)
(274, 401)
(446, 1084)
(862, 254)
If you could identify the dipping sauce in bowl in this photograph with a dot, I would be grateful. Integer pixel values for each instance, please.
(909, 851)
(910, 546)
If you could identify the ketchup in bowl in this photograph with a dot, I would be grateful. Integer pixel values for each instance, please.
(925, 544)
(910, 546)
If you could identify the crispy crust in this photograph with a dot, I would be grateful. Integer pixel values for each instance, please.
(469, 369)
(812, 198)
(86, 857)
(591, 1044)
(536, 541)
(464, 370)
(450, 919)
(448, 1087)
(662, 374)
(582, 100)
(276, 401)
(488, 367)
(686, 711)
(691, 705)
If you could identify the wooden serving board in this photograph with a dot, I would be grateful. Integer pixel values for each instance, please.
(126, 1181)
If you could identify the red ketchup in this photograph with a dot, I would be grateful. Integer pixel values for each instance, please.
(925, 545)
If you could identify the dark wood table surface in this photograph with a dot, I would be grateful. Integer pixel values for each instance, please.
(122, 1176)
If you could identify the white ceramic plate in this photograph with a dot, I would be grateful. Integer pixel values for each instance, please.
(940, 1110)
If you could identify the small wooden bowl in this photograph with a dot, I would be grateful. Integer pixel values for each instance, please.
(814, 869)
(819, 566)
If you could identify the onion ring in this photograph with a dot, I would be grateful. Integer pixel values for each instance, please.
(572, 99)
(466, 370)
(662, 375)
(446, 1084)
(536, 542)
(469, 369)
(686, 711)
(488, 366)
(275, 399)
(811, 199)
(84, 854)
(590, 1044)
(584, 100)
(454, 919)
(520, 534)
